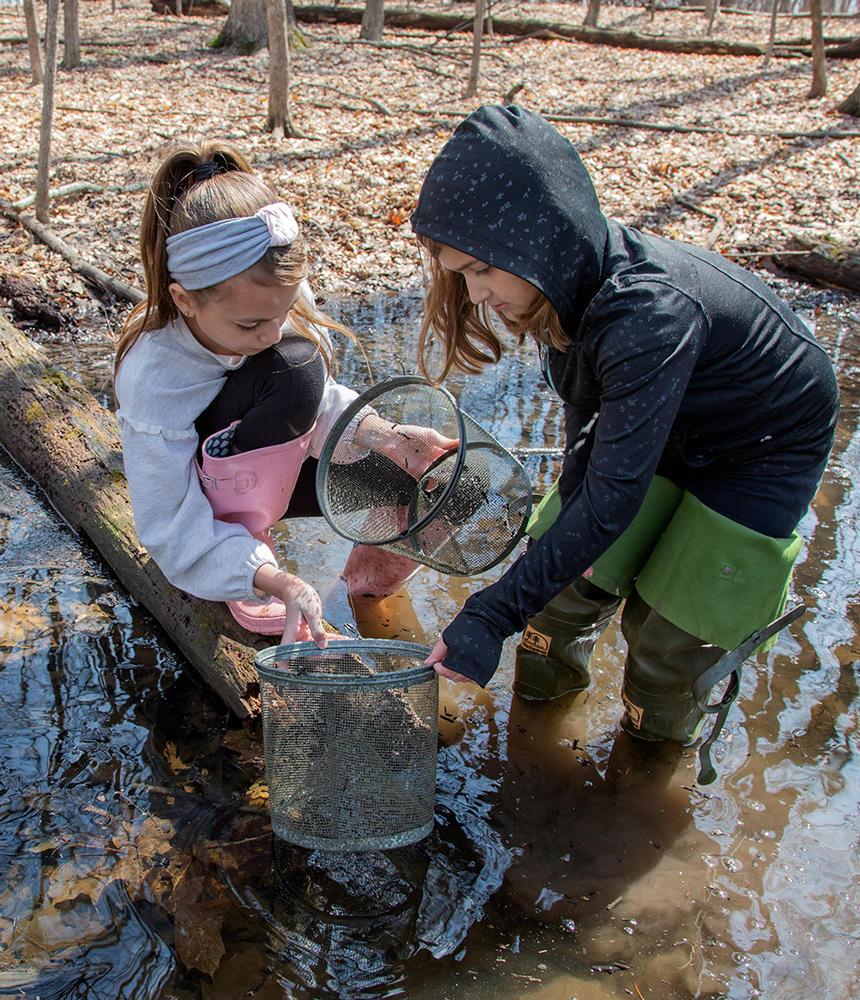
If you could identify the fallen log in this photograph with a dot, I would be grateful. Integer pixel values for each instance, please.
(701, 129)
(70, 445)
(30, 301)
(192, 8)
(821, 262)
(432, 21)
(93, 274)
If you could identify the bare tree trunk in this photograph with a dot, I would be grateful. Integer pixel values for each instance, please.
(34, 44)
(591, 14)
(247, 27)
(279, 122)
(477, 38)
(851, 104)
(71, 35)
(43, 167)
(819, 62)
(771, 38)
(372, 20)
(711, 8)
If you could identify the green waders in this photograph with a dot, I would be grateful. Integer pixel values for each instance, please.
(694, 583)
(554, 657)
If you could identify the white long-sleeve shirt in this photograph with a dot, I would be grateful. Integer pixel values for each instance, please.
(164, 383)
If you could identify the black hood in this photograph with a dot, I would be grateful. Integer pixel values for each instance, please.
(510, 190)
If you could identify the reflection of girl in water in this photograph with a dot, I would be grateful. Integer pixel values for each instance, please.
(699, 412)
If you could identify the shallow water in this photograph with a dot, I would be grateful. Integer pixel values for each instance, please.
(135, 847)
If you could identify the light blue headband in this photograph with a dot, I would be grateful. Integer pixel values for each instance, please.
(201, 257)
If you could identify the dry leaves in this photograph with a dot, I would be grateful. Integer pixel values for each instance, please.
(149, 79)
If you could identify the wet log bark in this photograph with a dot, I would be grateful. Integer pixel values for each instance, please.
(70, 445)
(824, 264)
(430, 21)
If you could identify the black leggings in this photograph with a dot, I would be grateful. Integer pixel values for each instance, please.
(275, 397)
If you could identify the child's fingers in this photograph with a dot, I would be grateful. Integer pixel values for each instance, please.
(295, 628)
(303, 614)
(310, 606)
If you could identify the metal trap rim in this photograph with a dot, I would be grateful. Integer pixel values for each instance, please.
(344, 420)
(265, 660)
(376, 842)
(494, 446)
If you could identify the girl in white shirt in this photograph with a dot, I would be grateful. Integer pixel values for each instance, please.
(230, 350)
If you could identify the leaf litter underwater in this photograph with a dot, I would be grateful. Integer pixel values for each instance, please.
(136, 849)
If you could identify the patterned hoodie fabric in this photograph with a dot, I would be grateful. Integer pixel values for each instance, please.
(680, 363)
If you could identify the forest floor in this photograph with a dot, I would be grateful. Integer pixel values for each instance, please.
(375, 116)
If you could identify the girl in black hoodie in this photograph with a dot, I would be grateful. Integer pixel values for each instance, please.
(699, 413)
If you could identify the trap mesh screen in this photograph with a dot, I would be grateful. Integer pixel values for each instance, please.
(350, 736)
(459, 512)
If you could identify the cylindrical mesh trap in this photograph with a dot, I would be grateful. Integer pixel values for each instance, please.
(459, 512)
(350, 736)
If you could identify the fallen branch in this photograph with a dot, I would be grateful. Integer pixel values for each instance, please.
(715, 234)
(449, 23)
(702, 129)
(421, 50)
(434, 71)
(154, 114)
(696, 208)
(629, 123)
(94, 274)
(377, 105)
(79, 187)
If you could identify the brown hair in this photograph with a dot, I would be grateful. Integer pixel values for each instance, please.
(465, 330)
(176, 202)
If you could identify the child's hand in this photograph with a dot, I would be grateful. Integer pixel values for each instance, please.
(415, 449)
(412, 447)
(437, 655)
(303, 619)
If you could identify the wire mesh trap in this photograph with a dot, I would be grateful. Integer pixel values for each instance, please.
(350, 737)
(459, 511)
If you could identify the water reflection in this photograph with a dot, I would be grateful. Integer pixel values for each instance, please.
(137, 859)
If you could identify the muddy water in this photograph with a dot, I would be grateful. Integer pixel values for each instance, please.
(135, 848)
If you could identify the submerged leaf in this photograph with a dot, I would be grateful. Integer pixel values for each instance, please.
(198, 924)
(257, 795)
(21, 624)
(90, 619)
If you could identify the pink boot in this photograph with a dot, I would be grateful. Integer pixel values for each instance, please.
(253, 489)
(372, 572)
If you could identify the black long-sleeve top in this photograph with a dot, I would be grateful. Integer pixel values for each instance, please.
(681, 363)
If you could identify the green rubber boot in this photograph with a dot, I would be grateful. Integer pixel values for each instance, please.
(554, 656)
(663, 664)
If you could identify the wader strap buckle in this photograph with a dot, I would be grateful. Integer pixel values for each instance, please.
(729, 665)
(707, 772)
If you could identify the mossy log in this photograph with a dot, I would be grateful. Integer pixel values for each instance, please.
(70, 445)
(825, 262)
